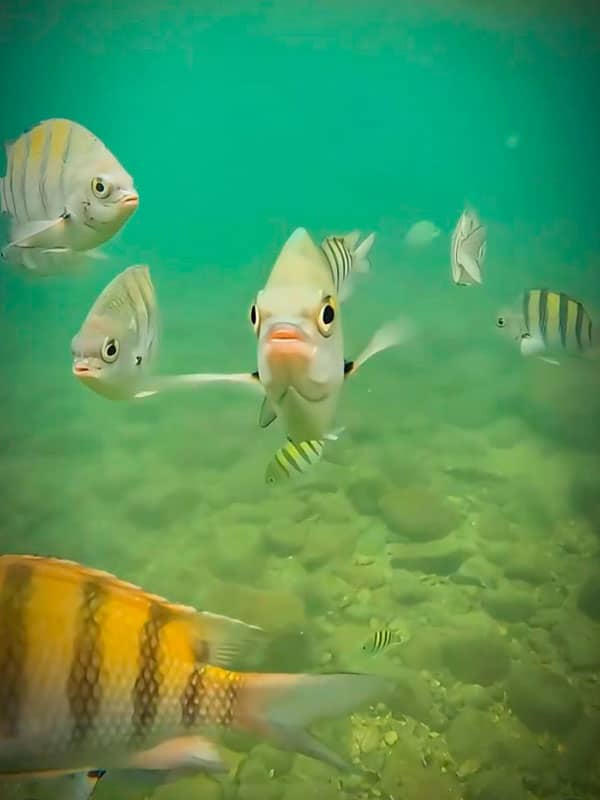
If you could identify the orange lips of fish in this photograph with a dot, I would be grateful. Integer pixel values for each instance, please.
(285, 344)
(131, 200)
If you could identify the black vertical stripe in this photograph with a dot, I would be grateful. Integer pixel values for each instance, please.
(579, 325)
(84, 687)
(191, 698)
(563, 318)
(543, 313)
(291, 457)
(589, 331)
(146, 690)
(15, 595)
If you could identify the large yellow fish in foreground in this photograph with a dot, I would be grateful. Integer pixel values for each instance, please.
(65, 194)
(96, 673)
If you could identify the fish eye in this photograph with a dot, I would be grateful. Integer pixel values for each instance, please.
(326, 316)
(101, 188)
(110, 350)
(501, 322)
(254, 317)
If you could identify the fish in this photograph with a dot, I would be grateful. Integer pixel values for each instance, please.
(114, 352)
(468, 249)
(346, 258)
(297, 321)
(65, 194)
(381, 639)
(115, 347)
(421, 234)
(551, 322)
(293, 458)
(98, 674)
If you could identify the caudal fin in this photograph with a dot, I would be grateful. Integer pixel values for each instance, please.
(280, 707)
(360, 255)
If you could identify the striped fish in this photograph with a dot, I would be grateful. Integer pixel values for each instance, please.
(65, 194)
(344, 257)
(549, 321)
(293, 459)
(381, 640)
(118, 341)
(96, 673)
(468, 249)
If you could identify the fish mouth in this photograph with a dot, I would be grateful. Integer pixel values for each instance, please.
(287, 343)
(84, 371)
(131, 200)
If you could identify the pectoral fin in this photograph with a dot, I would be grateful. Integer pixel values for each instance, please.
(389, 335)
(267, 414)
(182, 755)
(25, 234)
(194, 380)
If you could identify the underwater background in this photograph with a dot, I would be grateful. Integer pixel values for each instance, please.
(460, 507)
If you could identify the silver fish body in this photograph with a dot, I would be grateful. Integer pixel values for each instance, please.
(114, 350)
(64, 193)
(468, 249)
(300, 340)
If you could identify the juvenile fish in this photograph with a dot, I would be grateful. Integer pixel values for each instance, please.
(421, 234)
(468, 249)
(65, 195)
(380, 640)
(549, 322)
(97, 674)
(293, 459)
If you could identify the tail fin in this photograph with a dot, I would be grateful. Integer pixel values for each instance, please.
(360, 254)
(281, 706)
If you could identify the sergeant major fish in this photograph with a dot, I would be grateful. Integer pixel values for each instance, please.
(468, 249)
(97, 674)
(65, 194)
(549, 322)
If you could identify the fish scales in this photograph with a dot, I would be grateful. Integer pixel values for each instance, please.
(126, 657)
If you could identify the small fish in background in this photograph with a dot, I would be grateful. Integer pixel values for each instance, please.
(512, 141)
(65, 195)
(382, 639)
(468, 249)
(293, 459)
(296, 459)
(346, 259)
(421, 234)
(96, 672)
(548, 322)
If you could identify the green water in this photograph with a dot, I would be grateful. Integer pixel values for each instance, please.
(461, 506)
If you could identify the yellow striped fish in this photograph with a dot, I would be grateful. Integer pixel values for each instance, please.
(549, 321)
(97, 674)
(345, 257)
(65, 194)
(380, 640)
(293, 459)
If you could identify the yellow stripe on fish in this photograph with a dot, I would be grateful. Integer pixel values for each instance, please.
(557, 319)
(65, 193)
(294, 459)
(94, 670)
